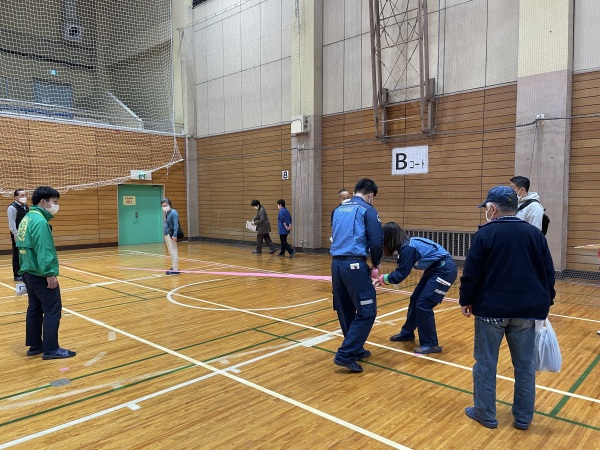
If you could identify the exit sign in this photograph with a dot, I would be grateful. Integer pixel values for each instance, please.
(141, 175)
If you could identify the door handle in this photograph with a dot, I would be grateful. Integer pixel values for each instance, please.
(136, 214)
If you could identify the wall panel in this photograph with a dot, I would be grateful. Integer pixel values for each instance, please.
(462, 167)
(236, 168)
(584, 178)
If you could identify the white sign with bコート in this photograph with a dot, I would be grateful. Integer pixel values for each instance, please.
(410, 160)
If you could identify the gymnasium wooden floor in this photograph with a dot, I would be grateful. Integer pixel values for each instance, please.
(215, 361)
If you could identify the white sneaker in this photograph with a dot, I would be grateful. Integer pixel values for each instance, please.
(21, 289)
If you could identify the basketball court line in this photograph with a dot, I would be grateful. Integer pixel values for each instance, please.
(336, 333)
(300, 325)
(215, 371)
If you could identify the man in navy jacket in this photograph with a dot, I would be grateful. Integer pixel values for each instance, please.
(357, 233)
(507, 283)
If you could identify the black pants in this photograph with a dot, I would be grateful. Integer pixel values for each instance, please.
(268, 241)
(43, 313)
(284, 245)
(15, 260)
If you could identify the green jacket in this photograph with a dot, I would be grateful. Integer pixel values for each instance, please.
(37, 253)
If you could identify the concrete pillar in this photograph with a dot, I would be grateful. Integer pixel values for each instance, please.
(544, 88)
(191, 177)
(307, 95)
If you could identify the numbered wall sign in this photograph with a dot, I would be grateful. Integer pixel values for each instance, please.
(285, 175)
(410, 160)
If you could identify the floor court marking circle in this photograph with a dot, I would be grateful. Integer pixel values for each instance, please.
(174, 292)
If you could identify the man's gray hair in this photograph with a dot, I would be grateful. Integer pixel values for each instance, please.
(504, 207)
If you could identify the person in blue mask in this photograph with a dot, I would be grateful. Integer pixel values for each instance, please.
(356, 234)
(439, 274)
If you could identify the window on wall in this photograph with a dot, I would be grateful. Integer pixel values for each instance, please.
(198, 2)
(52, 93)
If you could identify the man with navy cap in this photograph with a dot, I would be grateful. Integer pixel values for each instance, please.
(507, 284)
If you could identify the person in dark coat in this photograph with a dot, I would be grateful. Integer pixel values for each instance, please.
(507, 284)
(263, 228)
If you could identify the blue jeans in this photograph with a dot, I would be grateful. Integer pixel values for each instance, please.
(520, 336)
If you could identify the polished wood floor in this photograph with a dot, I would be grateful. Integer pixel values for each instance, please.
(217, 361)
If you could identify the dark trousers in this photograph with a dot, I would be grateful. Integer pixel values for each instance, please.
(268, 241)
(43, 313)
(15, 259)
(354, 301)
(284, 245)
(430, 291)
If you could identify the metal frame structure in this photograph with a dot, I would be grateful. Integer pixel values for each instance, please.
(399, 31)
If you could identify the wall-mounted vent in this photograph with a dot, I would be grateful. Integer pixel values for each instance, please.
(456, 242)
(73, 31)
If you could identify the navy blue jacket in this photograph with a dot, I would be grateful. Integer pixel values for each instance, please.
(508, 273)
(419, 253)
(284, 216)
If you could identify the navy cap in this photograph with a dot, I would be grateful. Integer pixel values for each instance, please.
(501, 194)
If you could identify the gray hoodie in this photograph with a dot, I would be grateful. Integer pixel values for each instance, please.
(533, 212)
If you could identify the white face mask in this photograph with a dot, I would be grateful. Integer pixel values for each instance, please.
(53, 209)
(166, 208)
(519, 197)
(22, 200)
(488, 219)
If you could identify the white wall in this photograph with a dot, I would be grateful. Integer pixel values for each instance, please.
(586, 36)
(242, 64)
(242, 55)
(477, 42)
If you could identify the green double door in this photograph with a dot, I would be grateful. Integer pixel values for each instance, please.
(140, 214)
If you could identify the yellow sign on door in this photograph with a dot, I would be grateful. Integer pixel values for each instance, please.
(129, 200)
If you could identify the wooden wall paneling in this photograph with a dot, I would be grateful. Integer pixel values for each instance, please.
(236, 168)
(75, 153)
(584, 181)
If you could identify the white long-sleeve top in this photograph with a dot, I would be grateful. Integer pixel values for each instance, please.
(533, 212)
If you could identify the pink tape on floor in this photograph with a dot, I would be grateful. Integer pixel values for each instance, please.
(242, 274)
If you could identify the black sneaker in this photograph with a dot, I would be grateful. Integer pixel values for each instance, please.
(273, 250)
(34, 351)
(59, 354)
(172, 272)
(292, 254)
(352, 366)
(401, 338)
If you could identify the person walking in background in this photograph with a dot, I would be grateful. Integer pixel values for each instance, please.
(439, 274)
(170, 230)
(263, 228)
(529, 208)
(357, 233)
(507, 283)
(15, 212)
(284, 225)
(39, 269)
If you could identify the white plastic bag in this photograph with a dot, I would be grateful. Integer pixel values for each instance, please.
(250, 225)
(547, 351)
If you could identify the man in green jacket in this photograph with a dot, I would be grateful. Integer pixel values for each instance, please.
(39, 269)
